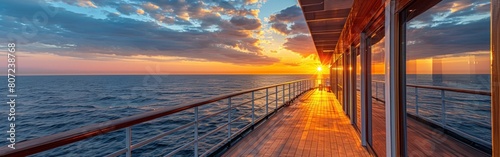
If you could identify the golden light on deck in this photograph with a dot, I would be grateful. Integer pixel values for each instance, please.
(319, 68)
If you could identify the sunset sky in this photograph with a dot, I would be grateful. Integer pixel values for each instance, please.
(170, 37)
(216, 37)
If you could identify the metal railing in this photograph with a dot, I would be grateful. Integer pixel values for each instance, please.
(295, 89)
(443, 107)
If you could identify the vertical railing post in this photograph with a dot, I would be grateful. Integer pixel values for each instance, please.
(297, 93)
(294, 89)
(253, 108)
(283, 95)
(300, 87)
(383, 90)
(376, 90)
(128, 141)
(416, 101)
(195, 131)
(267, 101)
(443, 109)
(289, 94)
(229, 118)
(277, 99)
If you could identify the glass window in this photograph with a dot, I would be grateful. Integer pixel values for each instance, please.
(340, 78)
(358, 89)
(378, 93)
(447, 59)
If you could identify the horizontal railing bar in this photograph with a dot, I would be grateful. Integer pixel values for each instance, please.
(238, 132)
(478, 92)
(460, 103)
(215, 114)
(378, 81)
(249, 101)
(140, 144)
(201, 119)
(486, 93)
(207, 134)
(215, 147)
(117, 153)
(180, 148)
(52, 141)
(213, 131)
(242, 116)
(271, 102)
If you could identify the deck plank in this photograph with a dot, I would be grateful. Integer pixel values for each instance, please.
(312, 126)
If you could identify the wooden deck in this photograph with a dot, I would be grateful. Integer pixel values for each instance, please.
(313, 126)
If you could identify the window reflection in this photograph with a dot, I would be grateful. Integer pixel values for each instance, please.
(377, 88)
(448, 46)
(358, 89)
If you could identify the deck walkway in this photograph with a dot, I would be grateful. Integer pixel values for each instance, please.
(313, 126)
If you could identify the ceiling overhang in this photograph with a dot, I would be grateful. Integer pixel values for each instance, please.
(325, 19)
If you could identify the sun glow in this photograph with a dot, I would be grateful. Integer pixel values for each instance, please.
(319, 68)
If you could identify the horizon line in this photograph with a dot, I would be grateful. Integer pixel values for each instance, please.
(98, 74)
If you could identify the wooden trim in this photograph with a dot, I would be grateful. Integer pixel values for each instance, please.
(495, 77)
(401, 4)
(360, 16)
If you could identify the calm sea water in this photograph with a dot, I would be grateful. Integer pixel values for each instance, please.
(51, 104)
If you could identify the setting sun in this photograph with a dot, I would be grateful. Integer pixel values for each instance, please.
(319, 68)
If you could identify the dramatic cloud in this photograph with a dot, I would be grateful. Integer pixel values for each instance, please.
(450, 28)
(251, 1)
(181, 28)
(291, 23)
(150, 6)
(82, 3)
(246, 23)
(301, 44)
(126, 9)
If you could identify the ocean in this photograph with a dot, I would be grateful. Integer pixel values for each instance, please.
(51, 104)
